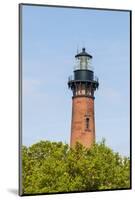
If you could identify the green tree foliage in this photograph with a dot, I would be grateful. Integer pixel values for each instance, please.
(51, 167)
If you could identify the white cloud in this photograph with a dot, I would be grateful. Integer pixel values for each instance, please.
(30, 86)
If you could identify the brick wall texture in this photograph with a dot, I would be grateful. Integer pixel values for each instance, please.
(82, 108)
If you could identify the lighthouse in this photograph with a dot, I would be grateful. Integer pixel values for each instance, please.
(83, 84)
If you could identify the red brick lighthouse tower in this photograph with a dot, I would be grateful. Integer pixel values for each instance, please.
(83, 85)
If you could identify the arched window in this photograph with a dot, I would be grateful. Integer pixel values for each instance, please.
(87, 123)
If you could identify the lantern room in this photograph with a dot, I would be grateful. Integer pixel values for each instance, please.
(83, 61)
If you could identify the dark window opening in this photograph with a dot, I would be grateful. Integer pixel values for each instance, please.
(87, 123)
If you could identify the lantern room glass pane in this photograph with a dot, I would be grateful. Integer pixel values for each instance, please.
(84, 63)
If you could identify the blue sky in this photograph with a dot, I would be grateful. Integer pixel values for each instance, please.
(50, 39)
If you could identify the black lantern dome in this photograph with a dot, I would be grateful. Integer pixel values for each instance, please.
(83, 53)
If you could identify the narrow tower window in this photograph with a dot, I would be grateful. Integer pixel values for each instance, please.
(87, 123)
